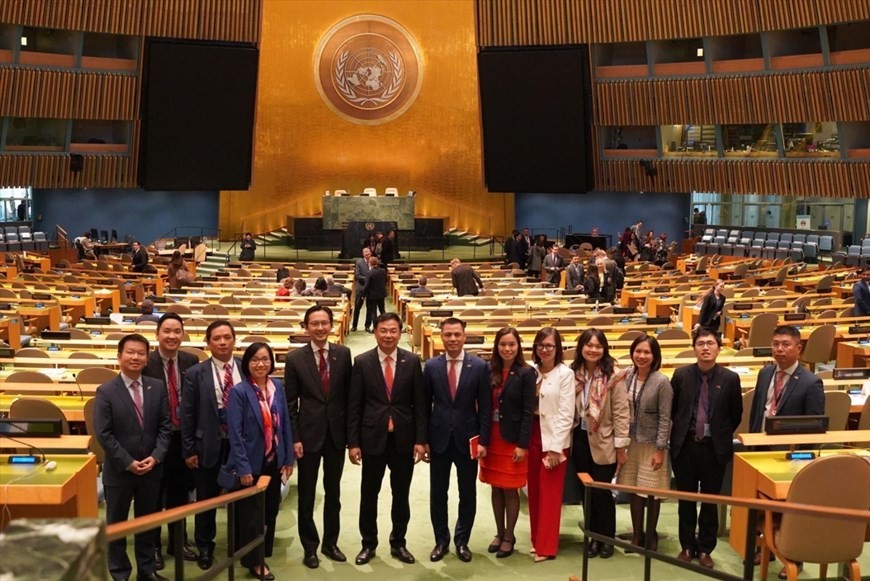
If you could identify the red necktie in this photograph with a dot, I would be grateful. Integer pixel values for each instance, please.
(324, 372)
(777, 391)
(172, 382)
(228, 383)
(451, 378)
(388, 379)
(137, 401)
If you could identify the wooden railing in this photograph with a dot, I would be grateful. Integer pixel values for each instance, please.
(175, 518)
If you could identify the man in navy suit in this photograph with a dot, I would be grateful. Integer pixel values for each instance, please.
(203, 425)
(168, 364)
(861, 292)
(786, 389)
(458, 389)
(131, 420)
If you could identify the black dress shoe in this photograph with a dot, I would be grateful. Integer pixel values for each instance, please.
(686, 555)
(187, 552)
(252, 571)
(606, 551)
(364, 556)
(311, 560)
(353, 328)
(593, 549)
(158, 559)
(463, 553)
(438, 553)
(334, 553)
(206, 559)
(403, 554)
(155, 576)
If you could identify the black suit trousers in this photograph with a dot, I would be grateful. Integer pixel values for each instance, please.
(601, 516)
(372, 308)
(308, 467)
(207, 487)
(176, 484)
(374, 466)
(696, 469)
(144, 494)
(248, 519)
(358, 303)
(439, 483)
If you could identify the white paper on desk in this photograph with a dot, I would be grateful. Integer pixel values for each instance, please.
(54, 373)
(740, 370)
(117, 318)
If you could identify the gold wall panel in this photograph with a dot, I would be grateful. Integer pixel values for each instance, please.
(302, 148)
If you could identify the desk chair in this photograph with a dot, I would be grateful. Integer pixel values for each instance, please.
(838, 481)
(33, 407)
(32, 352)
(94, 446)
(201, 355)
(96, 375)
(820, 345)
(837, 404)
(761, 330)
(28, 377)
(727, 479)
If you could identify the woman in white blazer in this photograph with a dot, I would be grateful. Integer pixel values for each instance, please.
(550, 442)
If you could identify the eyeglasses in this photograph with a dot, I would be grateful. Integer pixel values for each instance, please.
(706, 344)
(319, 323)
(261, 361)
(545, 347)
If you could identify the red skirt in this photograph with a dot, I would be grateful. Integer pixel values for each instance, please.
(498, 467)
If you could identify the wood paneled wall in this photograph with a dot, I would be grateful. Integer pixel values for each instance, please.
(232, 20)
(553, 22)
(837, 95)
(834, 179)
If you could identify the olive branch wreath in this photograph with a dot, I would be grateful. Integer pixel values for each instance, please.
(350, 95)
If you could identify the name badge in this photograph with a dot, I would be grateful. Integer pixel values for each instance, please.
(495, 416)
(707, 432)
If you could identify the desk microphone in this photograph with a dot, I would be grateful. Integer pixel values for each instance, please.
(16, 459)
(79, 387)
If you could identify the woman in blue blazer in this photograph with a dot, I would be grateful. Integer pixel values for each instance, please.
(258, 426)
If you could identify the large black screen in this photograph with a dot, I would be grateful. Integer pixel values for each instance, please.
(536, 119)
(198, 102)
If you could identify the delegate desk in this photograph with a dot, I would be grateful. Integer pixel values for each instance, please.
(853, 353)
(64, 444)
(72, 406)
(766, 475)
(10, 331)
(29, 491)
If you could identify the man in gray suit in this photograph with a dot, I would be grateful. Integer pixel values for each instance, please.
(131, 420)
(575, 274)
(465, 280)
(554, 265)
(203, 425)
(360, 273)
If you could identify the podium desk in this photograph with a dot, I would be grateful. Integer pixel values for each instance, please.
(29, 491)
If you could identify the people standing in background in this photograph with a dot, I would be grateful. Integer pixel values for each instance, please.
(388, 249)
(505, 466)
(861, 292)
(249, 246)
(360, 273)
(465, 280)
(601, 431)
(375, 292)
(554, 264)
(575, 276)
(536, 257)
(712, 304)
(140, 257)
(549, 443)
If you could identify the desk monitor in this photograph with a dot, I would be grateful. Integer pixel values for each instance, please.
(195, 284)
(475, 339)
(41, 297)
(78, 289)
(633, 283)
(326, 302)
(778, 425)
(762, 352)
(401, 267)
(658, 320)
(221, 274)
(102, 320)
(55, 335)
(623, 310)
(5, 306)
(430, 303)
(7, 352)
(31, 427)
(742, 306)
(208, 278)
(128, 311)
(442, 314)
(570, 291)
(851, 373)
(156, 300)
(855, 329)
(179, 291)
(795, 316)
(299, 338)
(661, 289)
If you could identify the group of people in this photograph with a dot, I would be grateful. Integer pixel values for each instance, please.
(637, 244)
(170, 424)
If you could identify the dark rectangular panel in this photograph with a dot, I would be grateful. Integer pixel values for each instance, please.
(535, 113)
(198, 102)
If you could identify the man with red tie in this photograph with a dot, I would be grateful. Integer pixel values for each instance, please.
(169, 364)
(317, 381)
(204, 425)
(386, 426)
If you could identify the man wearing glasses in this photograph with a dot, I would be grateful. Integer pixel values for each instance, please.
(707, 408)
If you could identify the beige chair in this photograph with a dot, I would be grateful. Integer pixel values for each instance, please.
(37, 408)
(471, 313)
(827, 314)
(490, 301)
(630, 335)
(826, 374)
(777, 304)
(825, 283)
(218, 310)
(93, 444)
(262, 301)
(761, 330)
(28, 377)
(253, 312)
(115, 336)
(837, 481)
(743, 426)
(254, 338)
(229, 300)
(202, 355)
(776, 292)
(837, 404)
(568, 355)
(820, 346)
(32, 352)
(96, 375)
(79, 334)
(750, 293)
(530, 324)
(599, 322)
(673, 334)
(823, 302)
(83, 355)
(178, 309)
(685, 354)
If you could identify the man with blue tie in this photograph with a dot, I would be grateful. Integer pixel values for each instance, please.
(458, 389)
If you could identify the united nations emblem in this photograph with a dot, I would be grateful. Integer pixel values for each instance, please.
(368, 69)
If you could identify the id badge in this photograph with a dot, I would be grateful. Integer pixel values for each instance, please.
(707, 432)
(495, 416)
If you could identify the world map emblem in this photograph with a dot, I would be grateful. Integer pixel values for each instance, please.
(368, 69)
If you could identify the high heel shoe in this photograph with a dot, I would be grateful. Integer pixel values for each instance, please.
(637, 539)
(494, 545)
(542, 558)
(502, 552)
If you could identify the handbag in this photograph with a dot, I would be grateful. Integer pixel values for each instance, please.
(228, 479)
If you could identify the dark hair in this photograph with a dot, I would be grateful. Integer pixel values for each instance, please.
(133, 338)
(496, 362)
(320, 284)
(607, 362)
(314, 309)
(251, 351)
(167, 316)
(451, 321)
(705, 332)
(384, 317)
(557, 339)
(653, 346)
(218, 323)
(789, 330)
(147, 307)
(248, 234)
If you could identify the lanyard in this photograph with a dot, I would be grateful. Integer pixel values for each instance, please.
(638, 392)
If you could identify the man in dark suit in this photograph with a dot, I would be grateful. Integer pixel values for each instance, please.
(317, 381)
(388, 245)
(374, 291)
(786, 389)
(458, 391)
(360, 272)
(169, 364)
(554, 265)
(575, 275)
(203, 425)
(465, 280)
(527, 247)
(861, 292)
(140, 257)
(386, 426)
(131, 420)
(707, 408)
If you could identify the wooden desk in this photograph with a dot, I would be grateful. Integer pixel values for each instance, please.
(10, 331)
(31, 492)
(73, 407)
(832, 437)
(61, 444)
(853, 354)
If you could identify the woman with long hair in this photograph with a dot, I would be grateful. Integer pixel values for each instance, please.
(600, 432)
(649, 398)
(712, 302)
(505, 466)
(549, 442)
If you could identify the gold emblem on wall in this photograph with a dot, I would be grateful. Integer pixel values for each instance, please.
(368, 69)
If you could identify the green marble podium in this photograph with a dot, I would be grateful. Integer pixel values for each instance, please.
(338, 211)
(56, 549)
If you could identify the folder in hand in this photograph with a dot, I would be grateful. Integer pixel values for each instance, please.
(473, 441)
